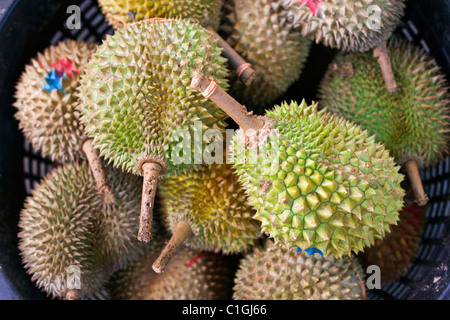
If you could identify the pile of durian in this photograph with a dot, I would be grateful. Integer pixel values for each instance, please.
(294, 205)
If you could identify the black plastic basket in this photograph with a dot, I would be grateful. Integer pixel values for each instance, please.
(28, 26)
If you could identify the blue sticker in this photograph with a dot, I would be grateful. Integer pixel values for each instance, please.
(53, 81)
(310, 251)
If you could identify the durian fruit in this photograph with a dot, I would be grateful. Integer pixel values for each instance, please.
(190, 275)
(46, 102)
(276, 51)
(416, 130)
(395, 254)
(206, 210)
(279, 273)
(205, 12)
(66, 225)
(350, 25)
(316, 180)
(121, 12)
(135, 97)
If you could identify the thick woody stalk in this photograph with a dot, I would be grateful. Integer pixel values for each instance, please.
(151, 172)
(97, 167)
(210, 90)
(182, 232)
(243, 69)
(380, 52)
(416, 183)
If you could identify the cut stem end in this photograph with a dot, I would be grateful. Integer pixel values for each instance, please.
(182, 232)
(151, 172)
(243, 69)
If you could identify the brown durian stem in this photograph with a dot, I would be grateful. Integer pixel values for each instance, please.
(97, 167)
(182, 232)
(380, 52)
(243, 69)
(361, 281)
(73, 294)
(151, 172)
(227, 103)
(416, 183)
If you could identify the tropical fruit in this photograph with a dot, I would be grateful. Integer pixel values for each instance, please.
(47, 106)
(277, 52)
(280, 273)
(206, 210)
(137, 104)
(350, 25)
(316, 180)
(72, 237)
(121, 12)
(190, 275)
(416, 130)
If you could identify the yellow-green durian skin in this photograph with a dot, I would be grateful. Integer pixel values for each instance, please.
(347, 25)
(319, 181)
(280, 273)
(276, 51)
(214, 204)
(66, 221)
(118, 12)
(135, 93)
(50, 120)
(413, 123)
(190, 275)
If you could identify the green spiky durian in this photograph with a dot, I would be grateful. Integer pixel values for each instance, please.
(279, 273)
(135, 92)
(47, 103)
(212, 201)
(190, 275)
(347, 25)
(319, 181)
(413, 123)
(66, 222)
(206, 12)
(275, 50)
(395, 254)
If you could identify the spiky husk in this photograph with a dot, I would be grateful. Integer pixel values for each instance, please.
(67, 222)
(190, 275)
(413, 123)
(347, 25)
(276, 51)
(319, 181)
(135, 93)
(214, 204)
(227, 19)
(57, 231)
(279, 273)
(395, 254)
(118, 12)
(49, 119)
